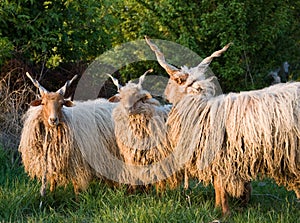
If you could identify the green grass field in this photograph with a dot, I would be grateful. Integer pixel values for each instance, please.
(20, 202)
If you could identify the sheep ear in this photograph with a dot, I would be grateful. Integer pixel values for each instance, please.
(142, 78)
(180, 79)
(36, 102)
(116, 82)
(115, 98)
(146, 95)
(68, 103)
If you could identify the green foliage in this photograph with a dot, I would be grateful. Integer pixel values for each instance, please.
(56, 31)
(6, 47)
(264, 34)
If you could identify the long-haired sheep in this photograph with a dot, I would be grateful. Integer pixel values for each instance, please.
(236, 137)
(141, 133)
(59, 139)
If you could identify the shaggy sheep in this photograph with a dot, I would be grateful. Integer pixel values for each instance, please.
(59, 139)
(140, 131)
(234, 138)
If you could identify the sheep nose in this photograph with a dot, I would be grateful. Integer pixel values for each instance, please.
(53, 120)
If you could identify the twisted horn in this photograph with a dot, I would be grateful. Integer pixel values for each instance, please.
(37, 84)
(205, 62)
(142, 78)
(68, 83)
(115, 81)
(171, 70)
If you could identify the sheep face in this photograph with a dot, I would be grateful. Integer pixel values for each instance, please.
(132, 98)
(52, 104)
(189, 83)
(185, 80)
(174, 92)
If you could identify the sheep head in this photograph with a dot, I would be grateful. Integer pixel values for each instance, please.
(185, 80)
(51, 102)
(132, 96)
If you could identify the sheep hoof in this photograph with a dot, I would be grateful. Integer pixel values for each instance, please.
(226, 213)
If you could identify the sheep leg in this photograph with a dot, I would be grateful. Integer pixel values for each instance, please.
(160, 187)
(131, 189)
(221, 196)
(297, 192)
(217, 194)
(76, 189)
(52, 185)
(157, 189)
(224, 200)
(246, 194)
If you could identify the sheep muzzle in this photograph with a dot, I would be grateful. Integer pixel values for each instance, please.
(53, 121)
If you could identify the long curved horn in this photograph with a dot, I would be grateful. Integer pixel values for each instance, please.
(115, 81)
(68, 83)
(142, 78)
(37, 84)
(202, 67)
(171, 70)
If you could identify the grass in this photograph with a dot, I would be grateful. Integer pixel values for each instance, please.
(20, 202)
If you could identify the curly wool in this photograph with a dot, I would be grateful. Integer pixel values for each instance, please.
(63, 153)
(240, 136)
(143, 140)
(64, 162)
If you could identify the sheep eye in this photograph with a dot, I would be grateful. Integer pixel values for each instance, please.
(190, 85)
(142, 100)
(62, 102)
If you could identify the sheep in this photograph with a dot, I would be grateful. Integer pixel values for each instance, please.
(140, 130)
(59, 139)
(233, 138)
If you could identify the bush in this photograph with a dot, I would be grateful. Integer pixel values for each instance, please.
(55, 31)
(15, 94)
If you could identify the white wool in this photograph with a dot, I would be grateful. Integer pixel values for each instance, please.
(241, 135)
(141, 134)
(73, 150)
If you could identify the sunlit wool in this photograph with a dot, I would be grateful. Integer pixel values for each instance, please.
(233, 138)
(69, 151)
(141, 134)
(242, 136)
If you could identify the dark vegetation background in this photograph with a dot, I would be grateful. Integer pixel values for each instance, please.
(56, 39)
